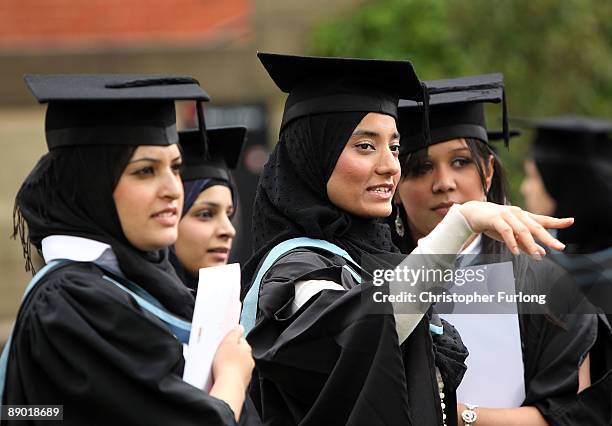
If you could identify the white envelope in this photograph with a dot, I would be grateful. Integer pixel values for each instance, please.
(217, 311)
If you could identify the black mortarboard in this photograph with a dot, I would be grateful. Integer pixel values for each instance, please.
(318, 85)
(113, 109)
(570, 137)
(456, 110)
(224, 147)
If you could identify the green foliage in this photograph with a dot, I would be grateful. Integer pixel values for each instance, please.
(556, 55)
(389, 29)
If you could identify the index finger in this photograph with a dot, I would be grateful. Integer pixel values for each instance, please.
(551, 222)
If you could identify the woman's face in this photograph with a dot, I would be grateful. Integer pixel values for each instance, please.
(537, 198)
(149, 197)
(447, 176)
(367, 171)
(206, 232)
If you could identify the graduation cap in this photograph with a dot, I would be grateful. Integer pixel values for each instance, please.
(224, 147)
(318, 85)
(570, 137)
(456, 110)
(114, 109)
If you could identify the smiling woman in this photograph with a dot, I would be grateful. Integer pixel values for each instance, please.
(102, 326)
(148, 197)
(206, 231)
(319, 235)
(373, 146)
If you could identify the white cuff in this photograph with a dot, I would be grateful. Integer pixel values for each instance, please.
(446, 238)
(449, 236)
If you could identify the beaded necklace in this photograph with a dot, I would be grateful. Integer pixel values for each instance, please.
(441, 392)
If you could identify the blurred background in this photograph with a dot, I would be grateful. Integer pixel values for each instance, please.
(556, 57)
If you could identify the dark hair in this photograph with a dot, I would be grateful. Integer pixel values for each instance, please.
(411, 165)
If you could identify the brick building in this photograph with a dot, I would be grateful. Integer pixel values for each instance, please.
(215, 41)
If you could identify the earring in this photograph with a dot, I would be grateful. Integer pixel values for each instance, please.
(399, 225)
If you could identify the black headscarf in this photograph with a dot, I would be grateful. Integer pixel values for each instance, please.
(292, 201)
(70, 192)
(192, 190)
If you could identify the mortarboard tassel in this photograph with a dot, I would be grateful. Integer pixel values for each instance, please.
(425, 130)
(505, 130)
(202, 128)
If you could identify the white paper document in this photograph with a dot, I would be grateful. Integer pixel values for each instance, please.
(494, 377)
(217, 312)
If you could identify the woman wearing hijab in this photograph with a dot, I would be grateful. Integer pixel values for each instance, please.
(571, 171)
(205, 230)
(324, 355)
(100, 328)
(549, 350)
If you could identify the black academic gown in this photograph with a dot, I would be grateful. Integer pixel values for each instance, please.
(333, 362)
(83, 343)
(554, 346)
(554, 343)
